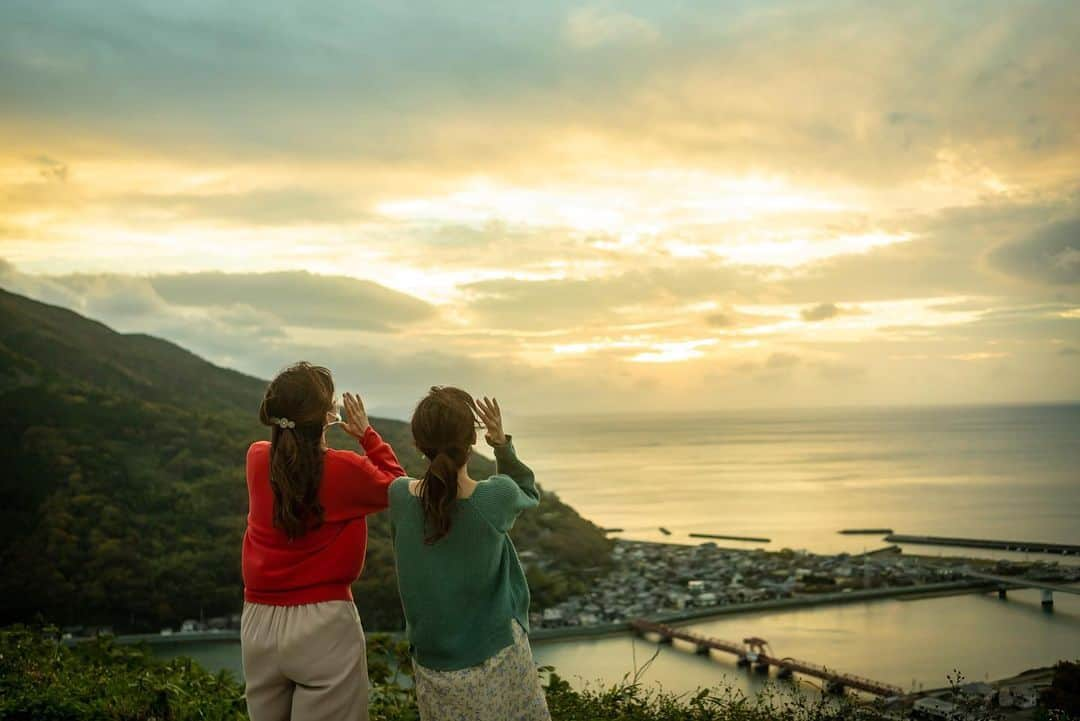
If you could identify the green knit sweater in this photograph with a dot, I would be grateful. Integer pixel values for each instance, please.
(462, 593)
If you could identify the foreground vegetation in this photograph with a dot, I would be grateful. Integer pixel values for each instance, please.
(41, 679)
(124, 493)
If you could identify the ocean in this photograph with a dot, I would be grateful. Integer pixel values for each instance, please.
(798, 477)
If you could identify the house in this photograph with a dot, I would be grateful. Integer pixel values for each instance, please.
(1025, 696)
(552, 617)
(679, 600)
(979, 690)
(935, 708)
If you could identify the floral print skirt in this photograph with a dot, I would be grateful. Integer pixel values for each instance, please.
(505, 687)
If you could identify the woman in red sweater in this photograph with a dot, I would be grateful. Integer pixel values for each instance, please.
(303, 646)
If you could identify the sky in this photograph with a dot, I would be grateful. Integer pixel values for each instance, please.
(582, 207)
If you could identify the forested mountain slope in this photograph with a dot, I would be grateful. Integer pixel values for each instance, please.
(123, 487)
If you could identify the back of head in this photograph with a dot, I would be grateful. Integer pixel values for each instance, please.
(295, 407)
(444, 429)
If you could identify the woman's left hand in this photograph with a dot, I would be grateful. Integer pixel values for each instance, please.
(491, 416)
(355, 422)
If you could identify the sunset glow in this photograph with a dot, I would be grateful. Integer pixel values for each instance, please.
(646, 202)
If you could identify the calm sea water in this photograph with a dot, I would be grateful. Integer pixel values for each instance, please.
(909, 643)
(798, 477)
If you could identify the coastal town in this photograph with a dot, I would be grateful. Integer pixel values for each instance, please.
(681, 582)
(671, 581)
(655, 579)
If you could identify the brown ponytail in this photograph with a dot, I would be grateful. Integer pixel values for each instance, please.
(443, 427)
(295, 407)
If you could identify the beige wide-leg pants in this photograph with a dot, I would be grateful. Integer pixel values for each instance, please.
(304, 663)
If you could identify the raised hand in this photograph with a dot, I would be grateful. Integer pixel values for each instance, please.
(491, 416)
(355, 422)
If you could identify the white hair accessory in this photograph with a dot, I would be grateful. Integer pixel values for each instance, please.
(284, 422)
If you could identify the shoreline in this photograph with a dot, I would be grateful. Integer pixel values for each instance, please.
(543, 635)
(928, 590)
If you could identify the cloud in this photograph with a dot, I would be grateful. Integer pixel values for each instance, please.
(393, 366)
(977, 356)
(37, 287)
(595, 26)
(239, 335)
(825, 311)
(689, 84)
(130, 304)
(838, 371)
(822, 311)
(297, 298)
(52, 170)
(946, 258)
(117, 297)
(782, 360)
(966, 304)
(616, 178)
(1050, 255)
(720, 320)
(279, 206)
(258, 304)
(629, 297)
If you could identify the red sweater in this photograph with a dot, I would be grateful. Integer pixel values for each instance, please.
(321, 564)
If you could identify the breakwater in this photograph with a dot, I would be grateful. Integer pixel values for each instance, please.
(1023, 546)
(752, 539)
(866, 531)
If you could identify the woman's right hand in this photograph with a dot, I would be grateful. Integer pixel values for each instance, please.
(491, 416)
(355, 422)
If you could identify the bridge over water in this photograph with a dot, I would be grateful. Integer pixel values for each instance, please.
(1007, 582)
(756, 652)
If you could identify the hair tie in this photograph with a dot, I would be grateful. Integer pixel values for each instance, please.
(283, 422)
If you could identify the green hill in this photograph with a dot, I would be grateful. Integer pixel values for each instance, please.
(123, 485)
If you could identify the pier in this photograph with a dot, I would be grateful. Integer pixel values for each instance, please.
(751, 539)
(1062, 549)
(755, 652)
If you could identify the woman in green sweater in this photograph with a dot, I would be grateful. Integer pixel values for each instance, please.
(465, 596)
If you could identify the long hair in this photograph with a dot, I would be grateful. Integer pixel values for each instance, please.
(295, 407)
(443, 427)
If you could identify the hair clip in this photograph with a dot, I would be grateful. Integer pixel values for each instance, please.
(284, 422)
